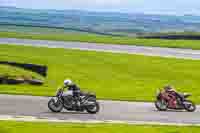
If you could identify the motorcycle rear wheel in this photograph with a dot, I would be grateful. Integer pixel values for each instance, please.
(93, 109)
(189, 106)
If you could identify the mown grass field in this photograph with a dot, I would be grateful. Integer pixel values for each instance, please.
(191, 44)
(109, 75)
(28, 127)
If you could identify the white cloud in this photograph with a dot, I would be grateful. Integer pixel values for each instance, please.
(7, 2)
(159, 6)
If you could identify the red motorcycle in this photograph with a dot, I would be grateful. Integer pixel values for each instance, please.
(166, 101)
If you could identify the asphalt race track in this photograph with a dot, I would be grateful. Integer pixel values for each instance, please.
(151, 51)
(110, 110)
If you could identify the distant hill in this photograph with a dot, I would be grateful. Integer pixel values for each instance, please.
(99, 22)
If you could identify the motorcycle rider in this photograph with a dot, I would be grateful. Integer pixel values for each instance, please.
(171, 90)
(73, 90)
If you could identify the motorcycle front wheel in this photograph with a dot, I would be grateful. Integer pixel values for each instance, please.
(55, 105)
(161, 105)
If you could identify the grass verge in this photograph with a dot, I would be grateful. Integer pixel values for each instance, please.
(191, 44)
(29, 127)
(110, 75)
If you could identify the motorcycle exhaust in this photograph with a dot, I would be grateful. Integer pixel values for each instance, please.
(89, 104)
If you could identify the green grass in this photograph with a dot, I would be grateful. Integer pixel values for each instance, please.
(28, 127)
(192, 44)
(111, 76)
(14, 72)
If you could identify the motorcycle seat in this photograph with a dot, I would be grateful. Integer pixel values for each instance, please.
(186, 95)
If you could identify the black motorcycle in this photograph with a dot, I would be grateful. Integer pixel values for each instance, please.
(86, 101)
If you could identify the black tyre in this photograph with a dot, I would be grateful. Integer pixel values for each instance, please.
(189, 106)
(55, 106)
(93, 109)
(161, 105)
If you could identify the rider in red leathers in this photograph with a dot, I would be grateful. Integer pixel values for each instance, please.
(173, 95)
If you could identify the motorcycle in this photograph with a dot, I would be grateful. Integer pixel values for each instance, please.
(86, 102)
(166, 101)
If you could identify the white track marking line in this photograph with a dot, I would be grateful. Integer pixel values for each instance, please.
(37, 119)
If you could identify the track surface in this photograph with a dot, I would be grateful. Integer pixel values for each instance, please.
(151, 51)
(110, 110)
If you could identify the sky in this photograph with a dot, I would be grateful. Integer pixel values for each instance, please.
(178, 7)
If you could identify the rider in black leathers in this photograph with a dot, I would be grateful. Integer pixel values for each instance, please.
(75, 90)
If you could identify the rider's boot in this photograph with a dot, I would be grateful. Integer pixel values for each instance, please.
(78, 105)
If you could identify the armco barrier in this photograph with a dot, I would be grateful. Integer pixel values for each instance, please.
(40, 69)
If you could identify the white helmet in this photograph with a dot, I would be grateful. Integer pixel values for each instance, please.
(67, 82)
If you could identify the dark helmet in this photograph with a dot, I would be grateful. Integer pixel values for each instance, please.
(168, 87)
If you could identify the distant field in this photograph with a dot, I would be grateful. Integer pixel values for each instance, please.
(111, 76)
(191, 44)
(33, 127)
